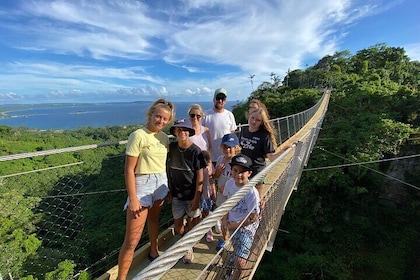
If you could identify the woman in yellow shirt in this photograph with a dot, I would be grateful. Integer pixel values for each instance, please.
(146, 182)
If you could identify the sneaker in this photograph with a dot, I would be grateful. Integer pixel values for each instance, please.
(218, 227)
(209, 236)
(220, 245)
(189, 256)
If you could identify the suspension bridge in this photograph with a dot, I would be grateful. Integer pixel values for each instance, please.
(281, 177)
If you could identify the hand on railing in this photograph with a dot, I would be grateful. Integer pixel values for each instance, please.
(280, 149)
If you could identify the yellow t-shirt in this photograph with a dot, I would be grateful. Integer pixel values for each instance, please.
(150, 148)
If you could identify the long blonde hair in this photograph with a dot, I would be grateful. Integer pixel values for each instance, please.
(161, 103)
(259, 104)
(266, 124)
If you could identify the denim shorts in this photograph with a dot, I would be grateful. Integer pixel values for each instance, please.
(182, 207)
(149, 188)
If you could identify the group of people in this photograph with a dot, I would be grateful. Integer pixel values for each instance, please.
(206, 164)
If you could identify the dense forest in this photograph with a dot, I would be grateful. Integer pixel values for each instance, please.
(349, 219)
(353, 221)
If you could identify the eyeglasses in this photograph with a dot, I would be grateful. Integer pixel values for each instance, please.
(195, 115)
(220, 97)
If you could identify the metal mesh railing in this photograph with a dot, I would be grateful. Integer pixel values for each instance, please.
(63, 212)
(48, 206)
(226, 264)
(287, 126)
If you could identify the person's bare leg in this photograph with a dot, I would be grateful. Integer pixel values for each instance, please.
(239, 265)
(194, 222)
(153, 227)
(179, 226)
(133, 232)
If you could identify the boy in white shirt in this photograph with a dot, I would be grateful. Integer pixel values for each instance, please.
(244, 216)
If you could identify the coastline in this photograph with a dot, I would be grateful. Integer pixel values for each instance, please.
(71, 116)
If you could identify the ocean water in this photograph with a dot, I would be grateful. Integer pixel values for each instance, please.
(73, 116)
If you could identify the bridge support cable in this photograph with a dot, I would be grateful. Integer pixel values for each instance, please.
(59, 151)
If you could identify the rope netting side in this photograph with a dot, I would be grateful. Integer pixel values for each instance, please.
(53, 212)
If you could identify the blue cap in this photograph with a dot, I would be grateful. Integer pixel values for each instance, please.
(230, 140)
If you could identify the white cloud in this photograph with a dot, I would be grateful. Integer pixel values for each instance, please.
(413, 51)
(185, 47)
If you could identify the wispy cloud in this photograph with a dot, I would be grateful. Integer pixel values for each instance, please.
(135, 48)
(413, 51)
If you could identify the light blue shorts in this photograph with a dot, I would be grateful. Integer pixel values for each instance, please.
(150, 187)
(182, 207)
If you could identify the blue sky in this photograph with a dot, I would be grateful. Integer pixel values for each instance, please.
(102, 51)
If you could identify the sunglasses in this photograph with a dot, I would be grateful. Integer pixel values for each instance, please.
(195, 115)
(220, 97)
(167, 103)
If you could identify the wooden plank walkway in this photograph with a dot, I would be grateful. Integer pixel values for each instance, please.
(204, 251)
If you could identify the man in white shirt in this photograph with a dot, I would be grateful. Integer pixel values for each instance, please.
(220, 121)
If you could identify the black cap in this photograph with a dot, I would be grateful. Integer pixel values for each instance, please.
(184, 124)
(241, 160)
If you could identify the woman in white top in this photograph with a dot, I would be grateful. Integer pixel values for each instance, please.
(202, 134)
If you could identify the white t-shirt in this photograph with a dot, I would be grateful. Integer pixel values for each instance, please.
(219, 124)
(250, 203)
(201, 140)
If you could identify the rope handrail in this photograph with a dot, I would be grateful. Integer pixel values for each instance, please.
(59, 151)
(165, 261)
